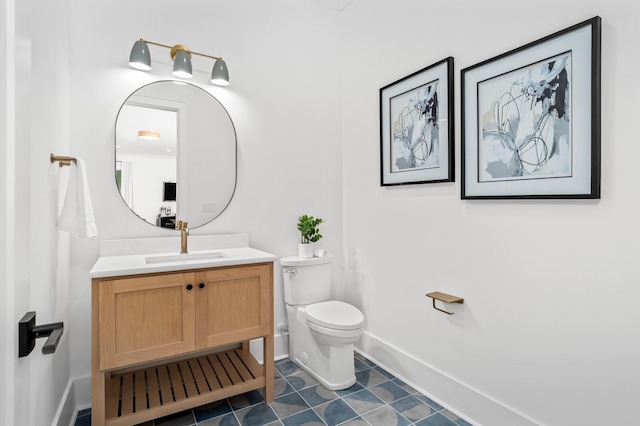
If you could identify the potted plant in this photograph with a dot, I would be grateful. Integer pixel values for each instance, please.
(309, 234)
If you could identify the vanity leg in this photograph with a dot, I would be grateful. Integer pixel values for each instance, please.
(97, 376)
(268, 349)
(268, 368)
(97, 400)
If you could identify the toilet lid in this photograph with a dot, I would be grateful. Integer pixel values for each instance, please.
(335, 314)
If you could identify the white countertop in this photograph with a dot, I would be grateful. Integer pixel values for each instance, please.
(129, 257)
(115, 266)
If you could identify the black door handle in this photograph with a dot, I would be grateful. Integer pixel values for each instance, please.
(28, 332)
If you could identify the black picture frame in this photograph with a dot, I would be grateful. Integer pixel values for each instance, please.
(530, 119)
(168, 191)
(417, 127)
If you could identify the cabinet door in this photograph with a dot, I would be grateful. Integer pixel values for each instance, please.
(233, 304)
(145, 318)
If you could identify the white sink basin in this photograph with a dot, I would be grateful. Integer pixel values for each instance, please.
(207, 255)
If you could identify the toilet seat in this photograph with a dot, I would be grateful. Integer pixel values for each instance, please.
(335, 315)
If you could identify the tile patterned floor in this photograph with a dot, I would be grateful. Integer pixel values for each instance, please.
(376, 399)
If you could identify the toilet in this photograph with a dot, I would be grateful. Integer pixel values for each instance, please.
(321, 331)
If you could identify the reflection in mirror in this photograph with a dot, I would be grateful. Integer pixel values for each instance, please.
(175, 154)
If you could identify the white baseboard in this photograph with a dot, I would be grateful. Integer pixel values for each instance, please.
(66, 412)
(280, 348)
(460, 398)
(82, 387)
(77, 396)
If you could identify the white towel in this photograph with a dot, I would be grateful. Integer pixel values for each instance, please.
(77, 211)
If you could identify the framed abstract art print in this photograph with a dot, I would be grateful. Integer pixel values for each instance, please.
(416, 127)
(531, 119)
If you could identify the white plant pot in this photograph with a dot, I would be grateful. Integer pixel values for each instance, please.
(305, 251)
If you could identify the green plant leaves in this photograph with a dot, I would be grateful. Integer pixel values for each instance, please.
(308, 227)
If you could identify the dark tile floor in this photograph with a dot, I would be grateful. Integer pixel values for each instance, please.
(376, 399)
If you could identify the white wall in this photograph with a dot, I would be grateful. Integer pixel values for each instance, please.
(35, 256)
(547, 330)
(7, 108)
(49, 248)
(284, 100)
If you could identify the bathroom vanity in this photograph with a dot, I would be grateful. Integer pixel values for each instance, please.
(171, 332)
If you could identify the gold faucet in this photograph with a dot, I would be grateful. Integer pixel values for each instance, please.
(184, 232)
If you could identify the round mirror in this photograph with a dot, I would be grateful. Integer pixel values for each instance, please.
(175, 154)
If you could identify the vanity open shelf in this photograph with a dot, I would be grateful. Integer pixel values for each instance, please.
(160, 390)
(169, 336)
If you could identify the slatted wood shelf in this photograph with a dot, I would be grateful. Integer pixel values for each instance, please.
(145, 394)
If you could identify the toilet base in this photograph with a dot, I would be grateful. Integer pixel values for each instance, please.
(330, 364)
(331, 386)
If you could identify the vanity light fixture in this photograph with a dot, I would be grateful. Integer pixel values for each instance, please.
(148, 135)
(140, 58)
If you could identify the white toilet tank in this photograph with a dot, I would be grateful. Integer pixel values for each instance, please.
(306, 281)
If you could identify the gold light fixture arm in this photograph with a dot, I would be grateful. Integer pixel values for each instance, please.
(178, 47)
(444, 297)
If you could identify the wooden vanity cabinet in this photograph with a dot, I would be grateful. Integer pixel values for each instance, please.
(231, 306)
(166, 342)
(144, 318)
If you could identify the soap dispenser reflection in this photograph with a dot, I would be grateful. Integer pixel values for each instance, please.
(184, 232)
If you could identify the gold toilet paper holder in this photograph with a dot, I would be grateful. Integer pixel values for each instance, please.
(444, 297)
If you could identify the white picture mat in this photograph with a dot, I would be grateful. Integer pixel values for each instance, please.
(440, 173)
(579, 43)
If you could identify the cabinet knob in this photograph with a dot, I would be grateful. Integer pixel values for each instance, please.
(189, 286)
(201, 285)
